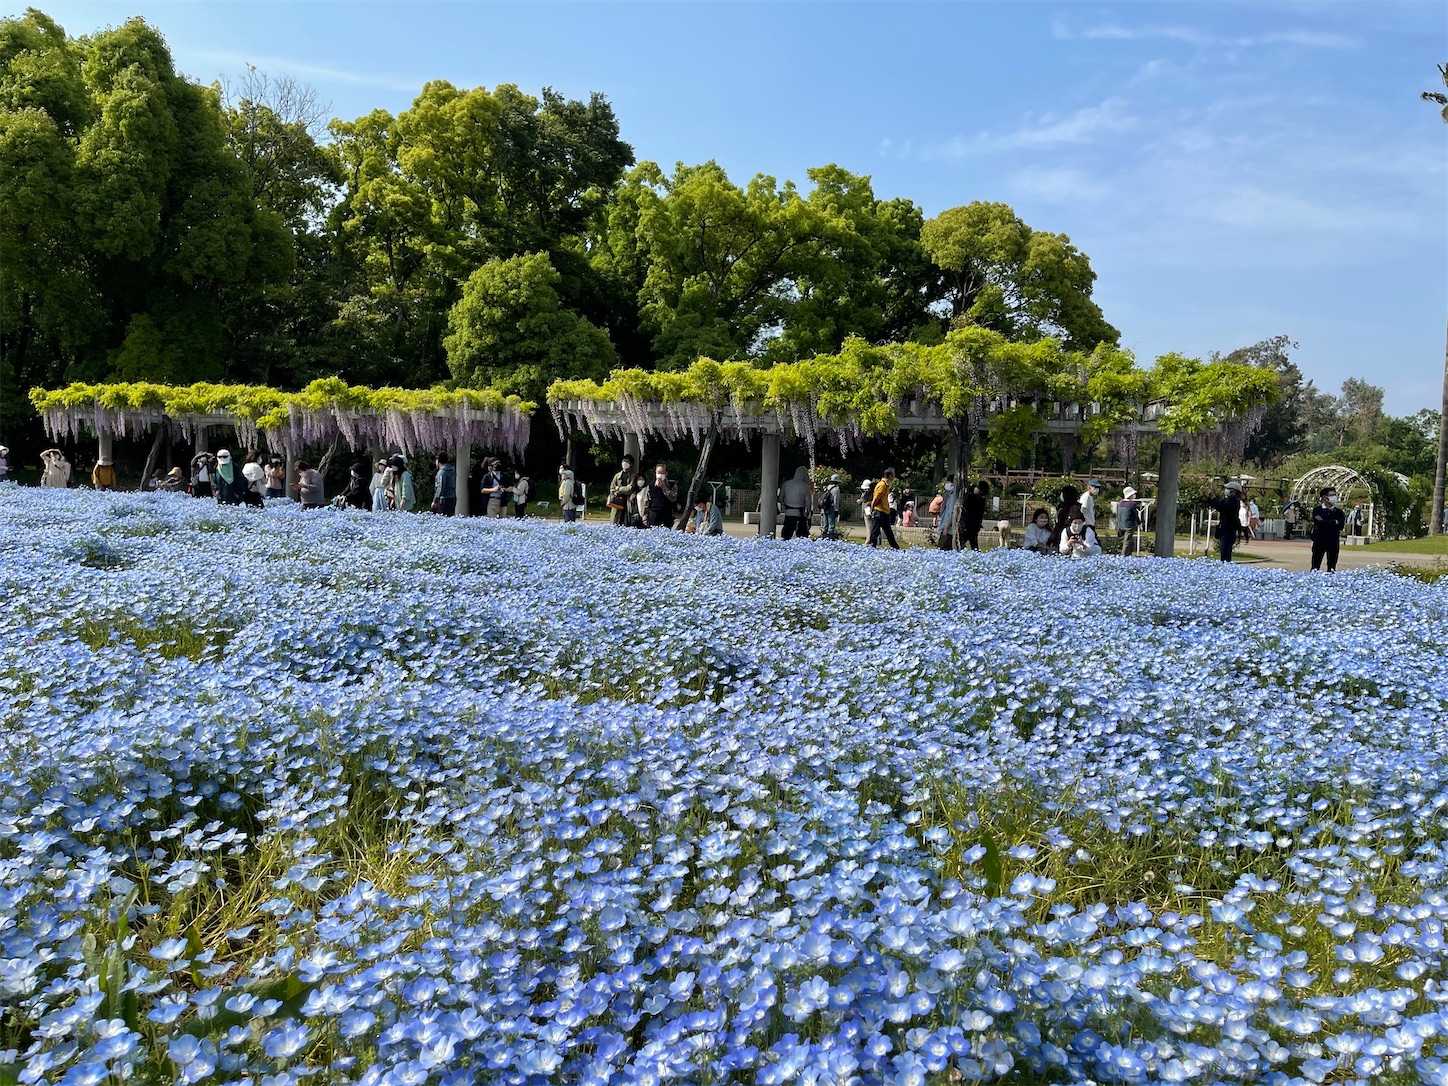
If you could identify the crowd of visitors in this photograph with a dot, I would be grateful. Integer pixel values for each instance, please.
(957, 515)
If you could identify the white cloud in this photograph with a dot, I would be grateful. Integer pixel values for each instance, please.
(1311, 39)
(314, 72)
(1082, 127)
(1058, 185)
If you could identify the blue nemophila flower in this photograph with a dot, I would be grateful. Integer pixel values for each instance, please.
(581, 869)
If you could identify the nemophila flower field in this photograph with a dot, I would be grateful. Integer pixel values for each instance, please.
(347, 797)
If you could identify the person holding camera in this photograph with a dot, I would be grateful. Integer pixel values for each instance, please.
(1079, 539)
(275, 477)
(1229, 508)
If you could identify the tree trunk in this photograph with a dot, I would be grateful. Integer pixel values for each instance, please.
(327, 459)
(154, 453)
(960, 451)
(705, 451)
(1436, 527)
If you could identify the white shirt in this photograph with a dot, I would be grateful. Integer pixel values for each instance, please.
(1087, 536)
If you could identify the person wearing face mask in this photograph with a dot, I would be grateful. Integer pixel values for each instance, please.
(1327, 525)
(946, 540)
(620, 488)
(638, 502)
(1038, 532)
(1229, 509)
(663, 497)
(1079, 539)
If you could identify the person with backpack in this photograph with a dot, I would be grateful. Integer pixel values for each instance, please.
(1128, 521)
(830, 509)
(1079, 539)
(103, 475)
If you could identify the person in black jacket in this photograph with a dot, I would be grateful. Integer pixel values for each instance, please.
(1327, 524)
(1229, 509)
(972, 514)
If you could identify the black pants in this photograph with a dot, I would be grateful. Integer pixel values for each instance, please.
(445, 506)
(880, 522)
(795, 524)
(1227, 539)
(1325, 548)
(520, 509)
(970, 536)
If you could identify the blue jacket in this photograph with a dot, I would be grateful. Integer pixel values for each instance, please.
(446, 483)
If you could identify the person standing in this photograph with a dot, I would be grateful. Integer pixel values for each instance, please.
(445, 485)
(1128, 520)
(521, 489)
(620, 489)
(880, 511)
(639, 502)
(1254, 518)
(309, 486)
(663, 499)
(201, 475)
(276, 478)
(103, 475)
(1230, 517)
(972, 514)
(1088, 503)
(830, 509)
(1327, 525)
(798, 502)
(491, 490)
(566, 495)
(4, 463)
(378, 487)
(945, 538)
(230, 482)
(401, 487)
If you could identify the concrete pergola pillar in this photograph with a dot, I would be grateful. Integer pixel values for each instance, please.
(200, 440)
(1166, 497)
(103, 440)
(769, 485)
(462, 461)
(631, 446)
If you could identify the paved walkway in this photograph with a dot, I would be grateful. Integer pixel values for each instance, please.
(1293, 554)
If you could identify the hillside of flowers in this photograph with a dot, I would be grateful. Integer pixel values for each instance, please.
(346, 797)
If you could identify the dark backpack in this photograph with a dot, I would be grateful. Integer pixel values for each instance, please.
(827, 503)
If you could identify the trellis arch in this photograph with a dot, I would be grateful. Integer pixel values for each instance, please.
(1344, 480)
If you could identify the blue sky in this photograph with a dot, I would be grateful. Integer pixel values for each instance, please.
(1234, 170)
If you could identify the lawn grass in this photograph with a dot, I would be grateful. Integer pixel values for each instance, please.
(1433, 544)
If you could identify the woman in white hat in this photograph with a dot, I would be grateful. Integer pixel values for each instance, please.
(230, 482)
(103, 475)
(56, 467)
(1128, 521)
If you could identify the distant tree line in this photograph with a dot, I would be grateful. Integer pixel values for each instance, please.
(155, 229)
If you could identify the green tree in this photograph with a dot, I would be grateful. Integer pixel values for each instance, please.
(1283, 430)
(510, 330)
(716, 258)
(1002, 275)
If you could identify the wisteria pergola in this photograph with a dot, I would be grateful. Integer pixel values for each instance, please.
(326, 411)
(965, 388)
